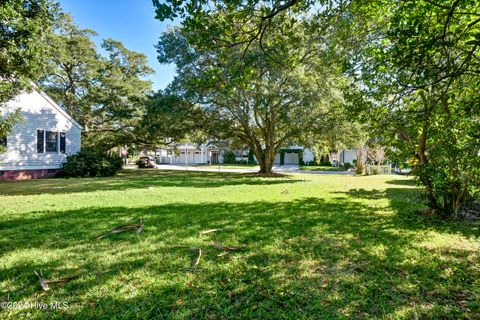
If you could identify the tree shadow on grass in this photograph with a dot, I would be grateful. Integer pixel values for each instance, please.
(402, 182)
(406, 202)
(137, 179)
(307, 258)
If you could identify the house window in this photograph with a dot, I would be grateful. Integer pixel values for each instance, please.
(51, 141)
(3, 141)
(63, 142)
(40, 141)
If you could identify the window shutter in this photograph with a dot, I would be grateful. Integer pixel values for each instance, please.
(40, 141)
(3, 141)
(63, 142)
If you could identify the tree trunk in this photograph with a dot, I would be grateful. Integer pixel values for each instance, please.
(424, 174)
(265, 158)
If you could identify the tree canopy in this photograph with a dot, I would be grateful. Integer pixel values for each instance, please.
(263, 103)
(409, 72)
(24, 26)
(106, 93)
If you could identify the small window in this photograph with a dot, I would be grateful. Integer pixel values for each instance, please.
(63, 142)
(40, 141)
(2, 173)
(3, 141)
(51, 141)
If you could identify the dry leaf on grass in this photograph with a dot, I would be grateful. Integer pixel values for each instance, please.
(209, 231)
(45, 282)
(137, 227)
(225, 248)
(197, 261)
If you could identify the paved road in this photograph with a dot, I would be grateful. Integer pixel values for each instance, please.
(278, 169)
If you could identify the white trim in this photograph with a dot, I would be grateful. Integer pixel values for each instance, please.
(20, 167)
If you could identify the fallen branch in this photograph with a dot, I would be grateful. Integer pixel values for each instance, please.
(45, 283)
(225, 248)
(137, 227)
(197, 261)
(209, 231)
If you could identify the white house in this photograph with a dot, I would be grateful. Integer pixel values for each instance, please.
(41, 141)
(343, 156)
(190, 154)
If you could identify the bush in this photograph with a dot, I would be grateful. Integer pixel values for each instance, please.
(229, 157)
(88, 163)
(347, 165)
(242, 162)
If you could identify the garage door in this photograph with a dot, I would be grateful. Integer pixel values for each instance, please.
(290, 158)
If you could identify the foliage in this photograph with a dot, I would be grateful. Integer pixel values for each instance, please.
(229, 157)
(419, 63)
(259, 102)
(23, 28)
(347, 165)
(89, 163)
(105, 93)
(7, 123)
(168, 118)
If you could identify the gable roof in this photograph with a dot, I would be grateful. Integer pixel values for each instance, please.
(56, 106)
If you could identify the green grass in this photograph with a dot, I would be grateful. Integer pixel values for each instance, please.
(322, 168)
(316, 246)
(229, 166)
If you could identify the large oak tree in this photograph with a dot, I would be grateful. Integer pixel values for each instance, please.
(106, 93)
(265, 102)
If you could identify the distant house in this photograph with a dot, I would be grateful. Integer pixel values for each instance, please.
(341, 157)
(40, 143)
(190, 154)
(209, 153)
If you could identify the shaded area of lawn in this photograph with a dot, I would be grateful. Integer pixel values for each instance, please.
(356, 252)
(322, 168)
(136, 179)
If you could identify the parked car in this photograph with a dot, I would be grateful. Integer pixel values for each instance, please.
(146, 162)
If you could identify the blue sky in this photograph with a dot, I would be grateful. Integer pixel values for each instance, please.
(130, 21)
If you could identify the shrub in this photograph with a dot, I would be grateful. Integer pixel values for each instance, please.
(88, 163)
(229, 157)
(347, 165)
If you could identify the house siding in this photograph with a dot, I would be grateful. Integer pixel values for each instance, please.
(39, 112)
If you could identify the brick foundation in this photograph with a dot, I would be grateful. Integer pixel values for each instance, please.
(27, 174)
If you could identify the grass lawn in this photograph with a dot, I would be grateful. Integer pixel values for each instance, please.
(228, 166)
(315, 246)
(322, 168)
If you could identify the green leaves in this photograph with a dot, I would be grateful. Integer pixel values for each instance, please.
(105, 94)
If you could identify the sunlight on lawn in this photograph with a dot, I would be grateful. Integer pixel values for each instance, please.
(314, 246)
